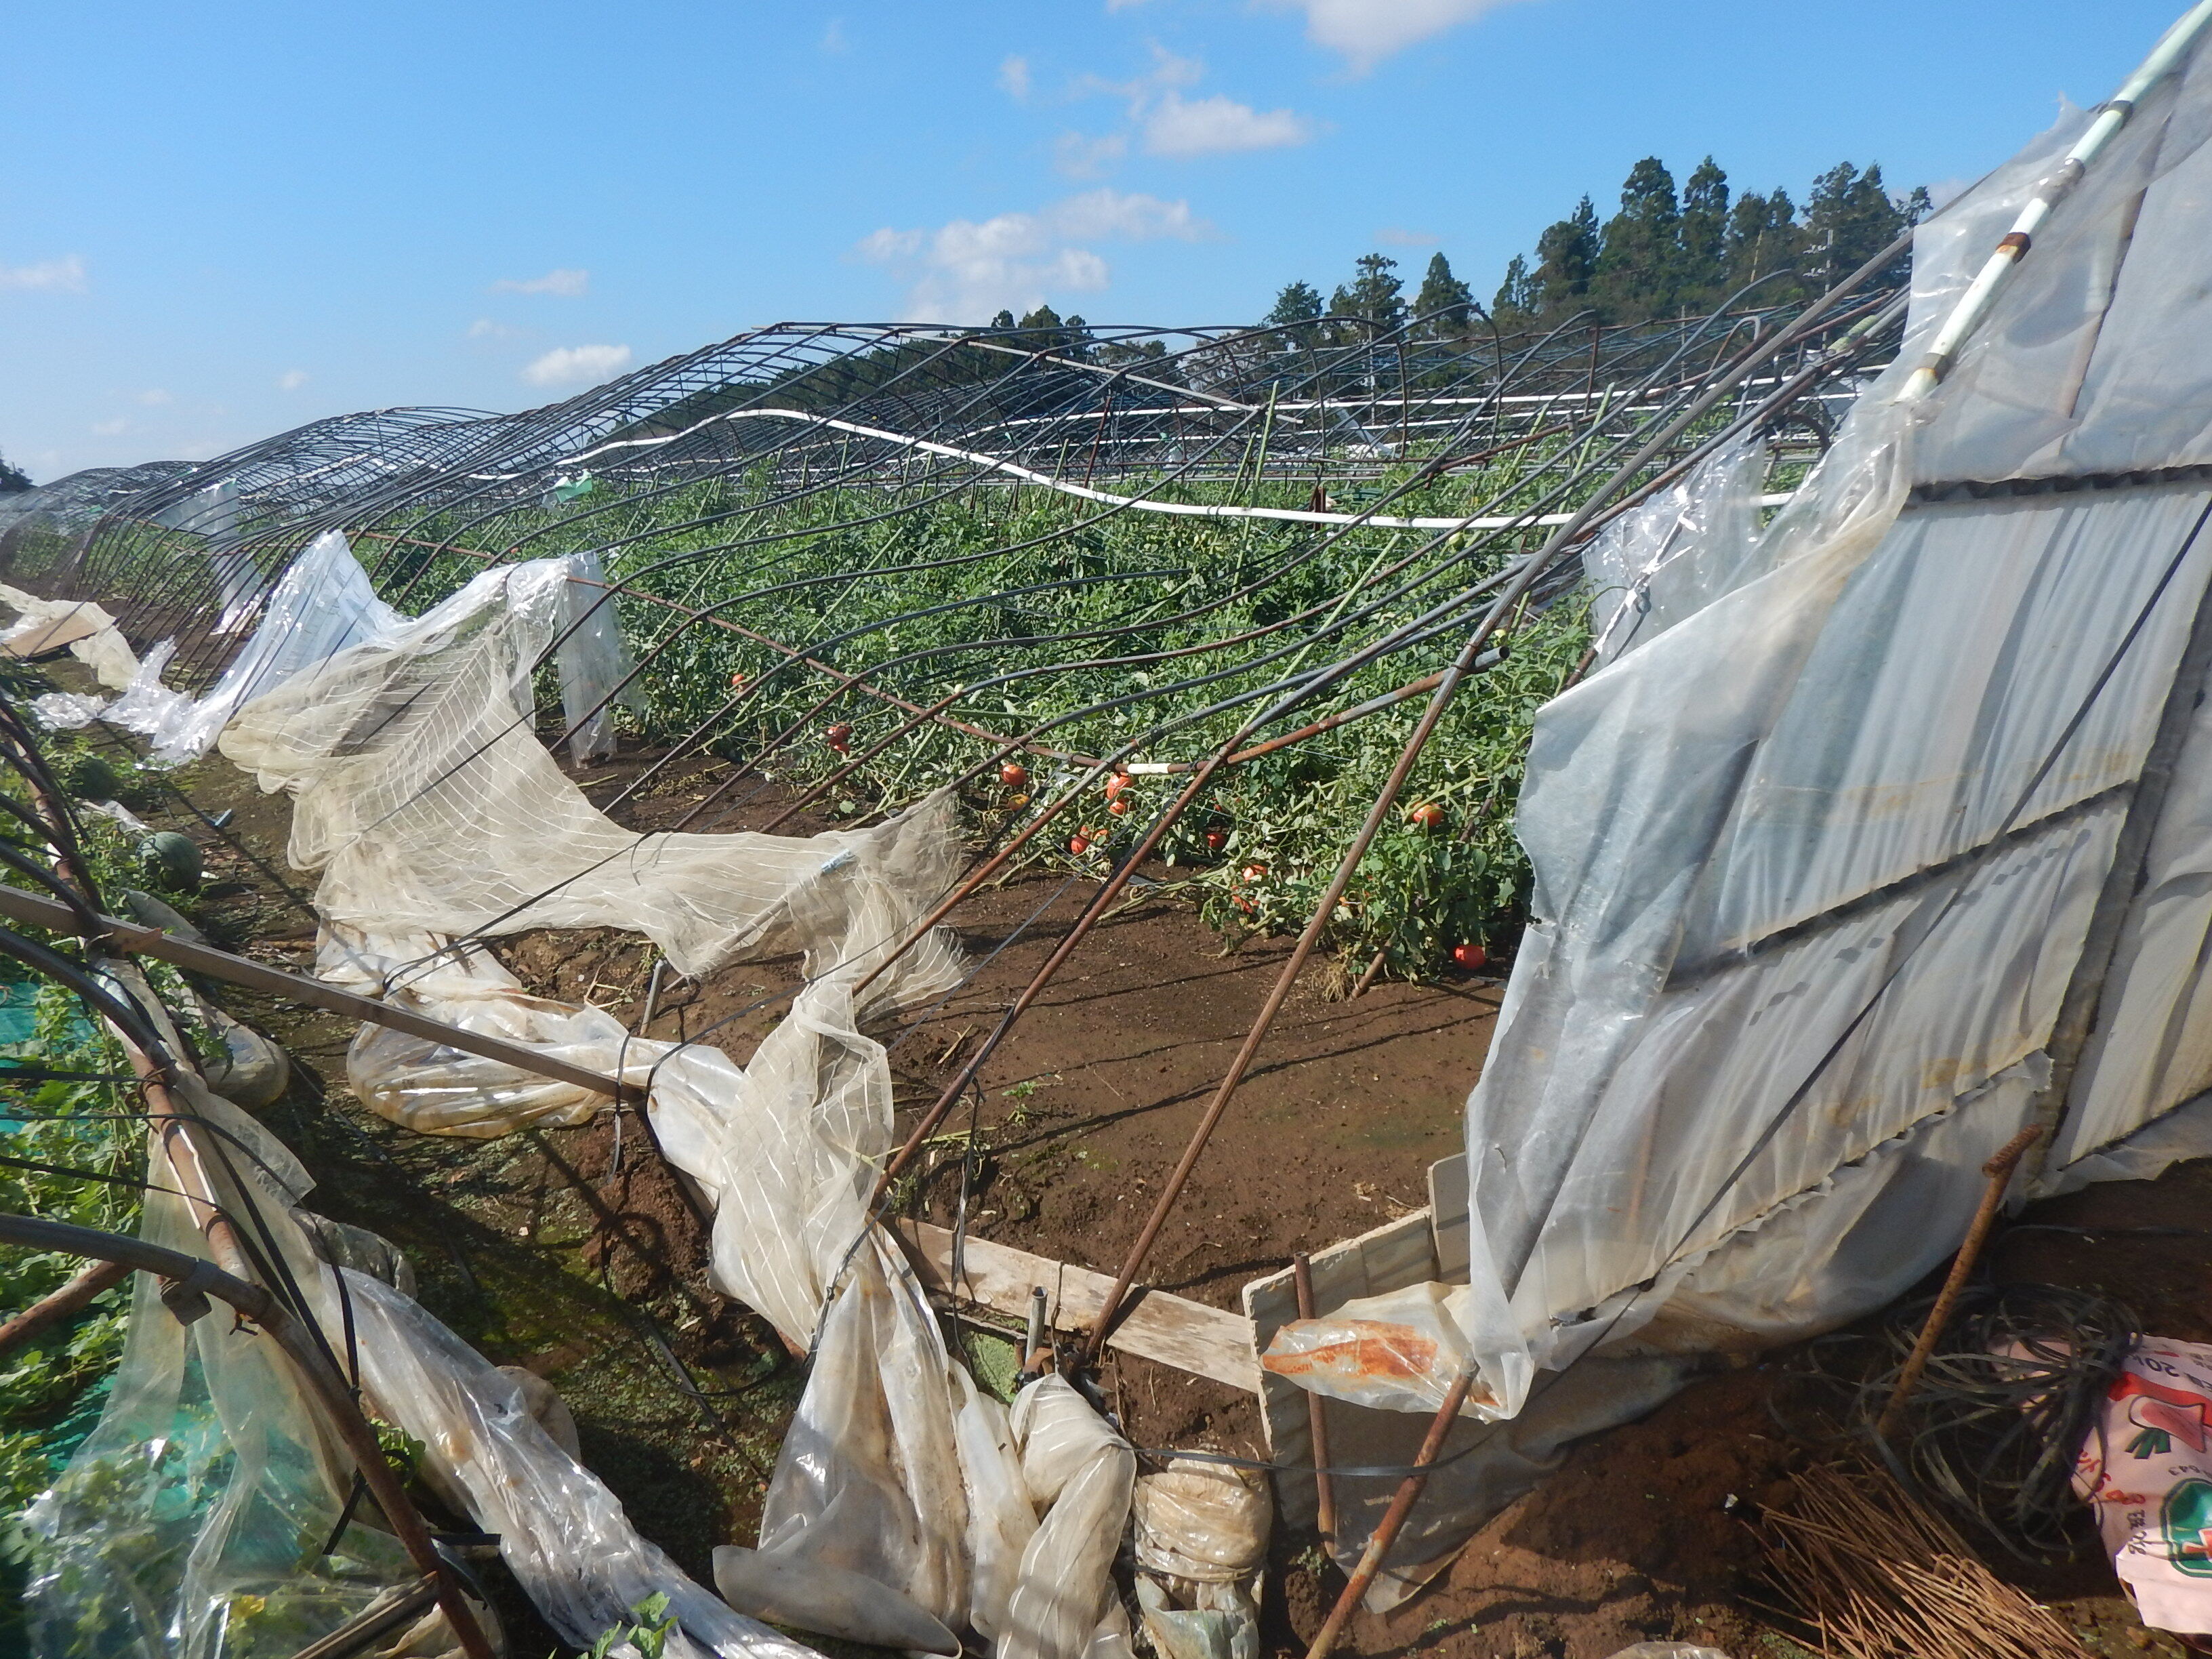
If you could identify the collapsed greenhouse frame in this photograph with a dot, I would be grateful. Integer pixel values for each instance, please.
(229, 532)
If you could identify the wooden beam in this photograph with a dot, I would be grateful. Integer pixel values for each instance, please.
(30, 909)
(1209, 1342)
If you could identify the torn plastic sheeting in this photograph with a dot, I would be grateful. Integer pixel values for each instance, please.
(828, 1600)
(1725, 824)
(1408, 1362)
(562, 1533)
(1201, 1537)
(176, 1528)
(870, 1478)
(594, 663)
(104, 650)
(2092, 361)
(1203, 1522)
(1079, 1474)
(1678, 552)
(424, 799)
(188, 1501)
(421, 794)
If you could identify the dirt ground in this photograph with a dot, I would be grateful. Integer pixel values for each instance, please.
(549, 1251)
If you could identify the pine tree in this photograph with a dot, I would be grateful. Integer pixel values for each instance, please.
(1640, 252)
(1704, 274)
(1516, 300)
(1762, 238)
(1374, 294)
(1566, 254)
(13, 479)
(1004, 319)
(1848, 219)
(1041, 331)
(1299, 302)
(1445, 304)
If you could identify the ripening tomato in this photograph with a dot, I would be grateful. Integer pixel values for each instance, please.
(1256, 872)
(1117, 806)
(1014, 775)
(1116, 784)
(1215, 840)
(1427, 815)
(1469, 956)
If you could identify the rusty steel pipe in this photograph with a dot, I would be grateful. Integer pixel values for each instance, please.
(1394, 1520)
(1316, 1422)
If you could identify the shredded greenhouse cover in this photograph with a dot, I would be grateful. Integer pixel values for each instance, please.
(424, 802)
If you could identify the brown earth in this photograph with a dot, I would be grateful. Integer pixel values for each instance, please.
(548, 1251)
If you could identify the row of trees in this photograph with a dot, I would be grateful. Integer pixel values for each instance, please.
(1665, 252)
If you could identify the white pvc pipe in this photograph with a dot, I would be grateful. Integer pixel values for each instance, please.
(1974, 304)
(1136, 503)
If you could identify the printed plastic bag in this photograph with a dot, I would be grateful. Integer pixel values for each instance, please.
(2147, 1470)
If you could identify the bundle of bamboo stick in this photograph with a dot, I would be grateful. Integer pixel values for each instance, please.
(1874, 1574)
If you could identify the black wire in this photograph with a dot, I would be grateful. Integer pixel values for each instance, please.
(2010, 1396)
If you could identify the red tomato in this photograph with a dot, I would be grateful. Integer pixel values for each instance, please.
(1215, 840)
(1469, 956)
(1014, 775)
(839, 736)
(1117, 806)
(738, 681)
(1084, 840)
(1116, 784)
(1427, 815)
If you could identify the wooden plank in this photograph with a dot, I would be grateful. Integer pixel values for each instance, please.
(1448, 1212)
(17, 905)
(1209, 1342)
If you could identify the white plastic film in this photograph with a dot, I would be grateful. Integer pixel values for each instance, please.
(1678, 552)
(424, 797)
(1815, 867)
(596, 672)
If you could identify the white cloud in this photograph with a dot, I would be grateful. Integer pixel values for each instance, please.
(580, 365)
(1172, 124)
(1367, 31)
(485, 329)
(965, 270)
(1167, 71)
(569, 284)
(154, 397)
(1399, 236)
(292, 379)
(1081, 156)
(65, 275)
(1218, 126)
(110, 428)
(1014, 79)
(833, 38)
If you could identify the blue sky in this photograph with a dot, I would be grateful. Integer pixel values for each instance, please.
(217, 222)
